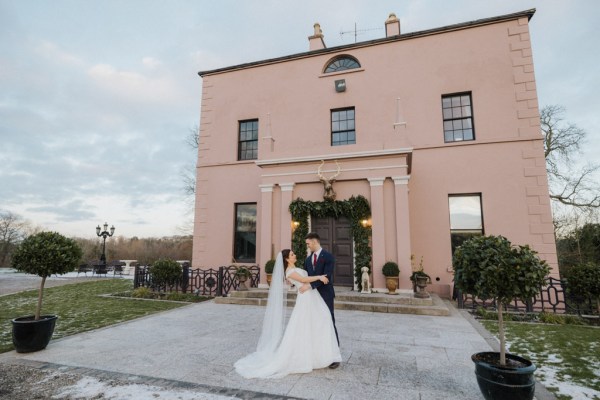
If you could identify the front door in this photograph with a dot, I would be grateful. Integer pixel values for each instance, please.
(336, 237)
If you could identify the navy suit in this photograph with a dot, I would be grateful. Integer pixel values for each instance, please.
(325, 264)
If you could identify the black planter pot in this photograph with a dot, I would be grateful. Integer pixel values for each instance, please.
(30, 335)
(515, 381)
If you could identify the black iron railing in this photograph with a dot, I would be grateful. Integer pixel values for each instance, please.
(553, 297)
(203, 282)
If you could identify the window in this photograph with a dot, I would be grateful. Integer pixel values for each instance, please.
(342, 63)
(342, 127)
(244, 248)
(458, 117)
(248, 140)
(465, 218)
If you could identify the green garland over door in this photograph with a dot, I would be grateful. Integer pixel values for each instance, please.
(356, 209)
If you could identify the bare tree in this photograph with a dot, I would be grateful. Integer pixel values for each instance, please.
(13, 229)
(145, 250)
(188, 174)
(193, 138)
(570, 184)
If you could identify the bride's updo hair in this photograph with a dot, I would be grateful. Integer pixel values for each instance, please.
(285, 253)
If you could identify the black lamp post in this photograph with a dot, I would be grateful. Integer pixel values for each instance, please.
(104, 233)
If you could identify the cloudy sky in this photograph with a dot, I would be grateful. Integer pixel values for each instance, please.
(97, 98)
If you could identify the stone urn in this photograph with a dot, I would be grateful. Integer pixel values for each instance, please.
(392, 284)
(421, 283)
(242, 279)
(242, 274)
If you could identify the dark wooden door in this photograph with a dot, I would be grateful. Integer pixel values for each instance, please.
(336, 237)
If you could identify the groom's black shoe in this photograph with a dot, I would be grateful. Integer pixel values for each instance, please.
(334, 365)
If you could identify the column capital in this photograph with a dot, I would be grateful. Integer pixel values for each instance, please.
(401, 180)
(376, 181)
(266, 188)
(287, 187)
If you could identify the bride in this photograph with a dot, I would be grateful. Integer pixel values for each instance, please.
(308, 342)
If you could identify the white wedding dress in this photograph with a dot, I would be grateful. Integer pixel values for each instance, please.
(308, 343)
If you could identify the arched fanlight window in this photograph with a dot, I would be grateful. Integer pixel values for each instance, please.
(341, 63)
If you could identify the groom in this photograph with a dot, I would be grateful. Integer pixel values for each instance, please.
(321, 262)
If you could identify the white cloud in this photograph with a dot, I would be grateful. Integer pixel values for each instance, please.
(150, 62)
(52, 52)
(206, 60)
(134, 86)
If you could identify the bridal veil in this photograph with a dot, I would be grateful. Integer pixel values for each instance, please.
(274, 321)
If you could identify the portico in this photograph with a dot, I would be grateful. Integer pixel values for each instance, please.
(284, 180)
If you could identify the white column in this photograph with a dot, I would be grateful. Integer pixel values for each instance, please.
(403, 229)
(265, 226)
(286, 218)
(377, 230)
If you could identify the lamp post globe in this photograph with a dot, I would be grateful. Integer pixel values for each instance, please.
(104, 234)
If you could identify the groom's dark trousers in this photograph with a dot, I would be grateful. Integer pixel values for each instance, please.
(324, 266)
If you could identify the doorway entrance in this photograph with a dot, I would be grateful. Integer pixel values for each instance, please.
(336, 237)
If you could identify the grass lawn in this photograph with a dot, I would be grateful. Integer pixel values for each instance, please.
(78, 306)
(567, 356)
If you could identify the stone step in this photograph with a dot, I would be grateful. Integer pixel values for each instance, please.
(406, 298)
(436, 308)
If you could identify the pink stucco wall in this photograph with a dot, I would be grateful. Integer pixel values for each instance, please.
(292, 99)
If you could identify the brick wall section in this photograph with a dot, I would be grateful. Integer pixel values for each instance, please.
(541, 228)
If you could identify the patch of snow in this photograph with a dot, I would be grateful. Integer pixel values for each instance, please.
(595, 365)
(88, 387)
(553, 358)
(550, 380)
(548, 374)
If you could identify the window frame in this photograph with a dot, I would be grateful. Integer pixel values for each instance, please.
(245, 151)
(341, 131)
(235, 232)
(472, 232)
(339, 58)
(461, 118)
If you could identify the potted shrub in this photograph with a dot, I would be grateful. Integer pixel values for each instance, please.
(583, 282)
(269, 266)
(391, 271)
(242, 274)
(420, 279)
(490, 267)
(42, 254)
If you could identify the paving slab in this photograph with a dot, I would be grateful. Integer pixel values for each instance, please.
(385, 356)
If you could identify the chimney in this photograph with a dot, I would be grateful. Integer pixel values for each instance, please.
(392, 26)
(315, 42)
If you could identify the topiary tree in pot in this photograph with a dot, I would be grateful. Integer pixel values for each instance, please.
(391, 271)
(269, 266)
(490, 267)
(42, 254)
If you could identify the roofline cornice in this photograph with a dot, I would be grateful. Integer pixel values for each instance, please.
(411, 35)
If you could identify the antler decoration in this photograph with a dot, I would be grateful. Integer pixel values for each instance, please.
(329, 193)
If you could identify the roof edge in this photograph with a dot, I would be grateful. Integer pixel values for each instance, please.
(411, 35)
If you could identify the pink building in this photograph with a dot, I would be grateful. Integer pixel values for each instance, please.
(439, 130)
